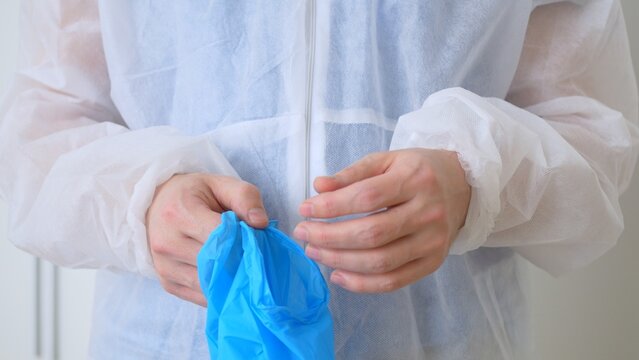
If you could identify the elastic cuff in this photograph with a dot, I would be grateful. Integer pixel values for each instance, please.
(449, 120)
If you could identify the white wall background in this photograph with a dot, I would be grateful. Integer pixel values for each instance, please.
(592, 314)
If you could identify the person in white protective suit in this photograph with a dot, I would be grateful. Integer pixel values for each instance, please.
(445, 140)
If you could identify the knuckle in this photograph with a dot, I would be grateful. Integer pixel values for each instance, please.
(182, 293)
(438, 213)
(388, 284)
(370, 197)
(165, 275)
(435, 213)
(372, 236)
(327, 204)
(170, 213)
(357, 285)
(347, 172)
(167, 285)
(162, 275)
(321, 236)
(335, 259)
(173, 290)
(380, 264)
(160, 247)
(247, 190)
(405, 171)
(425, 175)
(370, 158)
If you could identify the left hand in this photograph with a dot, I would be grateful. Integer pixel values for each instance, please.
(419, 197)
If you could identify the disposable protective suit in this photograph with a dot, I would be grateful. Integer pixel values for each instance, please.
(113, 97)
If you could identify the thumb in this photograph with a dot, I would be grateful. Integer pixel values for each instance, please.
(241, 197)
(371, 165)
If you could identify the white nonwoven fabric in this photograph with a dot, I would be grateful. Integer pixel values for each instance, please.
(114, 97)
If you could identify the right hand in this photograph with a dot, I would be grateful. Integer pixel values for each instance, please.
(184, 212)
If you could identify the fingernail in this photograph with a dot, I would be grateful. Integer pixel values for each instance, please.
(257, 216)
(313, 252)
(306, 209)
(300, 233)
(338, 278)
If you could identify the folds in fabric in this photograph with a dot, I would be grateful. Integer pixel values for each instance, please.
(266, 299)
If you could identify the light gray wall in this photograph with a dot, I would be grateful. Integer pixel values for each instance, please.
(17, 278)
(589, 315)
(18, 295)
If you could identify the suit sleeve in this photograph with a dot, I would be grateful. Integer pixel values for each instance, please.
(78, 182)
(547, 164)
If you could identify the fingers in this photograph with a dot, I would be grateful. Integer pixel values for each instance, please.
(374, 230)
(367, 232)
(381, 283)
(368, 166)
(367, 195)
(186, 293)
(372, 254)
(241, 197)
(389, 256)
(181, 280)
(204, 221)
(388, 249)
(377, 260)
(184, 211)
(179, 273)
(179, 249)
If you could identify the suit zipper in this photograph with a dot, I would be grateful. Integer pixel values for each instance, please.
(309, 96)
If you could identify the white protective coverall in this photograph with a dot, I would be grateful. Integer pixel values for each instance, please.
(113, 97)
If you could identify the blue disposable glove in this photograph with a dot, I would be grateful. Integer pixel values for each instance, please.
(266, 299)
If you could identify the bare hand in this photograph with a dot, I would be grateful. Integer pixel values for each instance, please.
(184, 212)
(420, 198)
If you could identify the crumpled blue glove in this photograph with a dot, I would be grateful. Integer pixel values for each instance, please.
(266, 299)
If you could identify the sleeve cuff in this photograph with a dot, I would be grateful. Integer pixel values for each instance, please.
(187, 155)
(450, 120)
